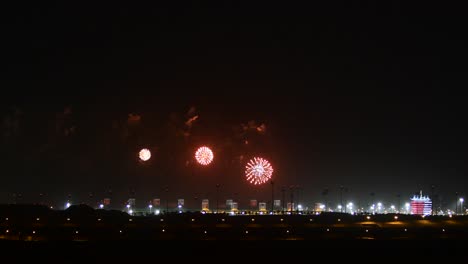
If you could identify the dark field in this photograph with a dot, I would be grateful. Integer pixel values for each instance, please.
(85, 233)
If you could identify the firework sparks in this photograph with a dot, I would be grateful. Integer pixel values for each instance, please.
(258, 171)
(204, 155)
(144, 154)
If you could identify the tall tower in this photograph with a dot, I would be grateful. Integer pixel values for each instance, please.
(421, 205)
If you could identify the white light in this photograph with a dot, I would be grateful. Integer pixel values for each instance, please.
(68, 219)
(393, 207)
(328, 230)
(101, 206)
(299, 207)
(6, 219)
(8, 231)
(34, 232)
(461, 200)
(128, 206)
(76, 232)
(38, 219)
(144, 154)
(368, 217)
(99, 219)
(67, 205)
(131, 211)
(281, 219)
(120, 231)
(367, 230)
(396, 217)
(205, 232)
(156, 212)
(232, 213)
(164, 230)
(162, 220)
(287, 231)
(193, 220)
(150, 206)
(222, 219)
(253, 219)
(246, 231)
(339, 220)
(180, 206)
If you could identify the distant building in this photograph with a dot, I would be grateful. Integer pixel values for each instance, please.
(262, 207)
(319, 207)
(421, 205)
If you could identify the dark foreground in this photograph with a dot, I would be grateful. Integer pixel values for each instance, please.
(85, 235)
(235, 251)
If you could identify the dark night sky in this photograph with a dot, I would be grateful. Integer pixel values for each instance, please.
(361, 95)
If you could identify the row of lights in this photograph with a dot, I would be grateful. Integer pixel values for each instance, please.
(205, 231)
(193, 220)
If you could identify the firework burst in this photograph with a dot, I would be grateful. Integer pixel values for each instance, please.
(144, 154)
(258, 171)
(204, 155)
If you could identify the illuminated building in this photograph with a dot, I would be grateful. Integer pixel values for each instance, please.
(421, 205)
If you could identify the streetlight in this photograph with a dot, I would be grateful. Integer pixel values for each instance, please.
(217, 194)
(283, 189)
(291, 188)
(167, 200)
(341, 198)
(150, 208)
(272, 195)
(461, 205)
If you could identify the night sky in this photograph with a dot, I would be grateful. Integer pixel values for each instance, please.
(368, 97)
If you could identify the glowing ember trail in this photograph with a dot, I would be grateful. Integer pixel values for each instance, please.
(258, 171)
(144, 154)
(204, 155)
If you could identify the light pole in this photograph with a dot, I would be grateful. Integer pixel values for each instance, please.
(272, 195)
(325, 193)
(292, 198)
(167, 200)
(456, 202)
(283, 190)
(399, 203)
(432, 198)
(341, 198)
(217, 194)
(461, 205)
